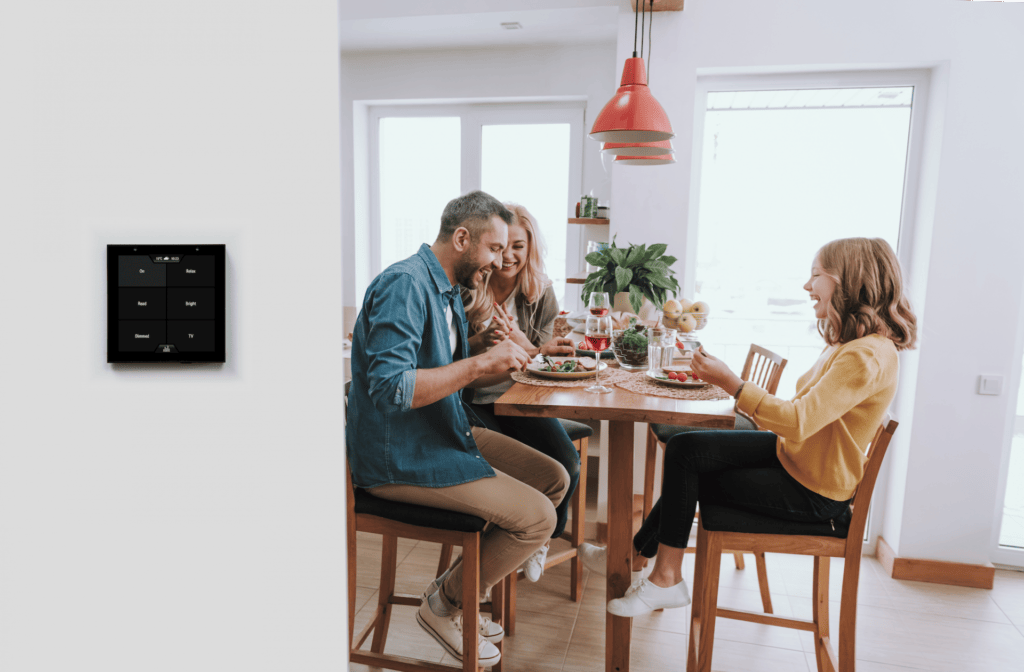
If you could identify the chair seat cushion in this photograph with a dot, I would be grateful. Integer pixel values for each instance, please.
(576, 430)
(717, 518)
(413, 514)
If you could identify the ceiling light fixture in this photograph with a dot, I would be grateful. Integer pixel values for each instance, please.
(633, 114)
(645, 160)
(638, 148)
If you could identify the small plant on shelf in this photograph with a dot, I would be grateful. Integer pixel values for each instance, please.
(644, 272)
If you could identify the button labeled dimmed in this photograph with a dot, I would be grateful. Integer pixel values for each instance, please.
(140, 335)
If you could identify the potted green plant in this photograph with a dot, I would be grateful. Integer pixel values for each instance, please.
(643, 272)
(629, 346)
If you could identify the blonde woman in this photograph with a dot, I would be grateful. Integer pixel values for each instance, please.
(807, 467)
(517, 302)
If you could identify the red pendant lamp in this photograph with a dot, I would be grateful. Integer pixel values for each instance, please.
(633, 114)
(638, 148)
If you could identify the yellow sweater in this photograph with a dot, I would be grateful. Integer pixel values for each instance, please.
(824, 431)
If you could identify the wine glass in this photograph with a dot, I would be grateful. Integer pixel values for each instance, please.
(598, 337)
(599, 304)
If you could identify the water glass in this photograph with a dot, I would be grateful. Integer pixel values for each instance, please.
(661, 347)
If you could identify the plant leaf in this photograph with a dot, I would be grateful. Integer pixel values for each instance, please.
(655, 251)
(636, 298)
(667, 260)
(596, 259)
(618, 255)
(634, 257)
(661, 281)
(622, 278)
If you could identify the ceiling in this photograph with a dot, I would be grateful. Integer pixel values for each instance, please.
(447, 24)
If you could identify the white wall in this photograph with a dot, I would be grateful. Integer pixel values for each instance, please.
(183, 517)
(526, 72)
(967, 279)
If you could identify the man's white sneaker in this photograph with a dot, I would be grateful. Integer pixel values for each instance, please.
(489, 630)
(533, 568)
(447, 630)
(643, 597)
(595, 558)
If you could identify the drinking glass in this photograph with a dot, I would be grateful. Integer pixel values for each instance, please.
(661, 346)
(598, 337)
(600, 304)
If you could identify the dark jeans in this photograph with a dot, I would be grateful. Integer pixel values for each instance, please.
(738, 469)
(546, 436)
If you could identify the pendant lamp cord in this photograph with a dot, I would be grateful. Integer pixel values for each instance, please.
(636, 21)
(650, 40)
(643, 17)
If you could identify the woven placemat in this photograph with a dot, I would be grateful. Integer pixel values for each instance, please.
(641, 384)
(608, 377)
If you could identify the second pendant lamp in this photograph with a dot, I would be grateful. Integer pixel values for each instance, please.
(633, 114)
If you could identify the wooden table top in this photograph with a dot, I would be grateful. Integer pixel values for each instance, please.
(577, 404)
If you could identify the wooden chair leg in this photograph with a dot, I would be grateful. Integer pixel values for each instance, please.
(445, 560)
(388, 568)
(762, 582)
(844, 662)
(510, 604)
(709, 597)
(470, 601)
(498, 593)
(649, 475)
(700, 574)
(352, 566)
(738, 559)
(819, 613)
(579, 516)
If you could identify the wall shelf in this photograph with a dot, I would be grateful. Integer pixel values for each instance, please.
(589, 220)
(578, 280)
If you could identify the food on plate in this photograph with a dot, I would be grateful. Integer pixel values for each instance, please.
(588, 363)
(581, 365)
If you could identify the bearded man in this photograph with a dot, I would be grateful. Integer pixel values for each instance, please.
(411, 435)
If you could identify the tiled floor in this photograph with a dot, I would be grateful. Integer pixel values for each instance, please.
(901, 625)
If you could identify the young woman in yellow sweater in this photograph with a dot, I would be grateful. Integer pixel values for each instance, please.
(807, 466)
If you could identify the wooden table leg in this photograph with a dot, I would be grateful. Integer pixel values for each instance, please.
(620, 540)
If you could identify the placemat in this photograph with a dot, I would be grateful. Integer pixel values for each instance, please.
(608, 377)
(641, 384)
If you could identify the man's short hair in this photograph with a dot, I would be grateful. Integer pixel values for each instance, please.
(472, 211)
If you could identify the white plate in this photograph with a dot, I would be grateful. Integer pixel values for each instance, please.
(674, 383)
(534, 368)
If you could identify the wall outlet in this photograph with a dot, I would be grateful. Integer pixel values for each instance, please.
(990, 385)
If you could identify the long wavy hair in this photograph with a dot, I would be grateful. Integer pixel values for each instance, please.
(531, 281)
(868, 297)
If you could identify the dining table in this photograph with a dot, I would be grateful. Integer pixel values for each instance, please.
(621, 408)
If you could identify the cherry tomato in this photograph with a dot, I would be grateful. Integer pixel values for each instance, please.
(682, 378)
(672, 375)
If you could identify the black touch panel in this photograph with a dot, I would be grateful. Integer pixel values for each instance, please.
(165, 303)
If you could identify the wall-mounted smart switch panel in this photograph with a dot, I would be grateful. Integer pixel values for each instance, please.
(165, 303)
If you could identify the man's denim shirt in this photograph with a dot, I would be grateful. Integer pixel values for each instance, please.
(402, 328)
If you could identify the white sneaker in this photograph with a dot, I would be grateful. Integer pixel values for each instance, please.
(595, 558)
(489, 630)
(533, 568)
(447, 630)
(643, 597)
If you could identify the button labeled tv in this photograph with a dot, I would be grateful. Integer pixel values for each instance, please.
(190, 304)
(192, 335)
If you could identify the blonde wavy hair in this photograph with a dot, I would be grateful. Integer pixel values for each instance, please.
(868, 297)
(531, 279)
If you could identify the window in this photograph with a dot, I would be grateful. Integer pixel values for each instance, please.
(422, 156)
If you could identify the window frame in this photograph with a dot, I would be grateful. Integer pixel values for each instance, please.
(920, 80)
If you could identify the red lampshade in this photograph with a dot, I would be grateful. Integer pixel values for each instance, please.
(639, 148)
(632, 115)
(645, 160)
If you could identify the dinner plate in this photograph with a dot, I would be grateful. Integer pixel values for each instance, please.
(534, 368)
(675, 383)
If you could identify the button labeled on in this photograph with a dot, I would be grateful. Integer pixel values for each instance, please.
(138, 270)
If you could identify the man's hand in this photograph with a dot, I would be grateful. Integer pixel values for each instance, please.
(505, 357)
(558, 346)
(715, 371)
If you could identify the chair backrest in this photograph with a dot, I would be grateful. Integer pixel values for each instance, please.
(862, 499)
(763, 368)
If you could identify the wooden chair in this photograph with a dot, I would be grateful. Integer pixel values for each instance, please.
(579, 433)
(721, 527)
(392, 520)
(763, 368)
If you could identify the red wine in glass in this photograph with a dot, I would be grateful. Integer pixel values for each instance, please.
(599, 312)
(597, 342)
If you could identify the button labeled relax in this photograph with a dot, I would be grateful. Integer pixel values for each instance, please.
(194, 270)
(190, 304)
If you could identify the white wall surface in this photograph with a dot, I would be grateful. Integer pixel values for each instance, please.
(183, 517)
(967, 279)
(525, 72)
